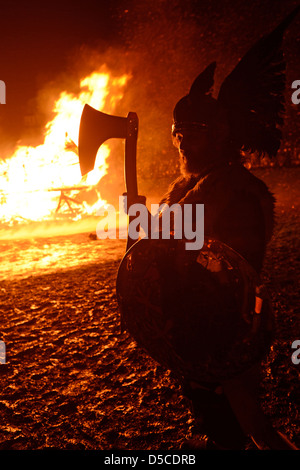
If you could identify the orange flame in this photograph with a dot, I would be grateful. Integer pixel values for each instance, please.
(36, 182)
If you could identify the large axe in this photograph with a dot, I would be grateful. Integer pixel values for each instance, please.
(97, 127)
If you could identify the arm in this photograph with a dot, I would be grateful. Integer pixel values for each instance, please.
(145, 221)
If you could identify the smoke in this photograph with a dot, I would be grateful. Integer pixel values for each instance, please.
(162, 46)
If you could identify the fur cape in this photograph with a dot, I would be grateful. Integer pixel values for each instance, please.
(238, 208)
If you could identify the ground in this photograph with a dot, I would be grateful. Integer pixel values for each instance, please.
(73, 380)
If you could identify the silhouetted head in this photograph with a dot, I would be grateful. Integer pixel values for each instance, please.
(200, 128)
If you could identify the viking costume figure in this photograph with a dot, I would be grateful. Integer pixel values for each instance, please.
(210, 134)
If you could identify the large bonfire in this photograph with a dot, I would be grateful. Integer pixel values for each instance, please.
(41, 183)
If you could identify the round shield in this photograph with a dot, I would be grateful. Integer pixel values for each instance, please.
(193, 311)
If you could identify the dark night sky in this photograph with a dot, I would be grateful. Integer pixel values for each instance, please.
(41, 42)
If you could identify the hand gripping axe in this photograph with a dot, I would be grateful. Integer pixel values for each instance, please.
(97, 127)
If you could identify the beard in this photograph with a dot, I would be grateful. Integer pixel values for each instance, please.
(193, 164)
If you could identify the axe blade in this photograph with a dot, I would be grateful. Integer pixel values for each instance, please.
(95, 128)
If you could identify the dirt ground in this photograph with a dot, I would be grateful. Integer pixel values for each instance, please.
(72, 380)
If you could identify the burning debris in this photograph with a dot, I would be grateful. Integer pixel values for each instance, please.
(43, 182)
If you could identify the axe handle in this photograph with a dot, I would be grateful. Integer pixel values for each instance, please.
(130, 166)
